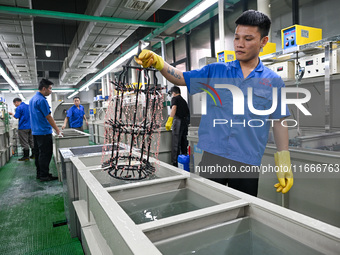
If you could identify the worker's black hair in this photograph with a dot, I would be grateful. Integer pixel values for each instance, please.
(44, 83)
(176, 90)
(76, 98)
(256, 19)
(17, 99)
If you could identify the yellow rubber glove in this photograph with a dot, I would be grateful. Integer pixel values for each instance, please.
(169, 123)
(285, 174)
(148, 58)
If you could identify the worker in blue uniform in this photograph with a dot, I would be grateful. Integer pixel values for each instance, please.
(42, 123)
(24, 128)
(75, 115)
(237, 140)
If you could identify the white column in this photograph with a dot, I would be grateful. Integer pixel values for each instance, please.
(221, 24)
(264, 7)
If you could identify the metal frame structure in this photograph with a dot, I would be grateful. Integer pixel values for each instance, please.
(130, 170)
(328, 45)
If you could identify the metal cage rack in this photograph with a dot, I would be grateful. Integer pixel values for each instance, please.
(128, 165)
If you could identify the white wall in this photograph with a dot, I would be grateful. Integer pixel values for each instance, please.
(10, 96)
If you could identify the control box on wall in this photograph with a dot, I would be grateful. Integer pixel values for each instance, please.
(226, 56)
(297, 35)
(315, 64)
(286, 70)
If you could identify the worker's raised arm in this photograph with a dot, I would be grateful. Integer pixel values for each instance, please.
(148, 58)
(173, 75)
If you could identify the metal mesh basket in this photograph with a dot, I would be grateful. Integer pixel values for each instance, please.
(133, 115)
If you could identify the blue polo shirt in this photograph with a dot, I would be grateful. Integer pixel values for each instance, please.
(76, 116)
(237, 136)
(39, 109)
(22, 113)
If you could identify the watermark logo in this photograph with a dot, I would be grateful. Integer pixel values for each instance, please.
(238, 99)
(213, 90)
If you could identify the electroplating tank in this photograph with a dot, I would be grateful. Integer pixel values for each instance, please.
(182, 213)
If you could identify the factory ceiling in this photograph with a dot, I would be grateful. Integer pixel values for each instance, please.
(78, 48)
(81, 48)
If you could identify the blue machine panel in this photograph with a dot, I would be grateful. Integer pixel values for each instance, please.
(290, 38)
(221, 57)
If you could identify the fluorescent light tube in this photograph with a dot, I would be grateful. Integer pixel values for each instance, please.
(9, 80)
(110, 68)
(22, 97)
(197, 10)
(62, 90)
(73, 94)
(27, 91)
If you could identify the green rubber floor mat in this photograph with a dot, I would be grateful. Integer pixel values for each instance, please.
(28, 209)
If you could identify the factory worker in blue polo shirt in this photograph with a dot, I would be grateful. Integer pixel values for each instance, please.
(76, 115)
(231, 133)
(42, 123)
(24, 128)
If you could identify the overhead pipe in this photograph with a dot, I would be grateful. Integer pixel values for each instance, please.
(212, 37)
(163, 52)
(295, 11)
(188, 52)
(76, 16)
(245, 5)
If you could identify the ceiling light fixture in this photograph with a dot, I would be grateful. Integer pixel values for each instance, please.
(62, 90)
(22, 97)
(8, 79)
(73, 94)
(27, 91)
(54, 90)
(197, 10)
(48, 53)
(35, 90)
(11, 83)
(109, 69)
